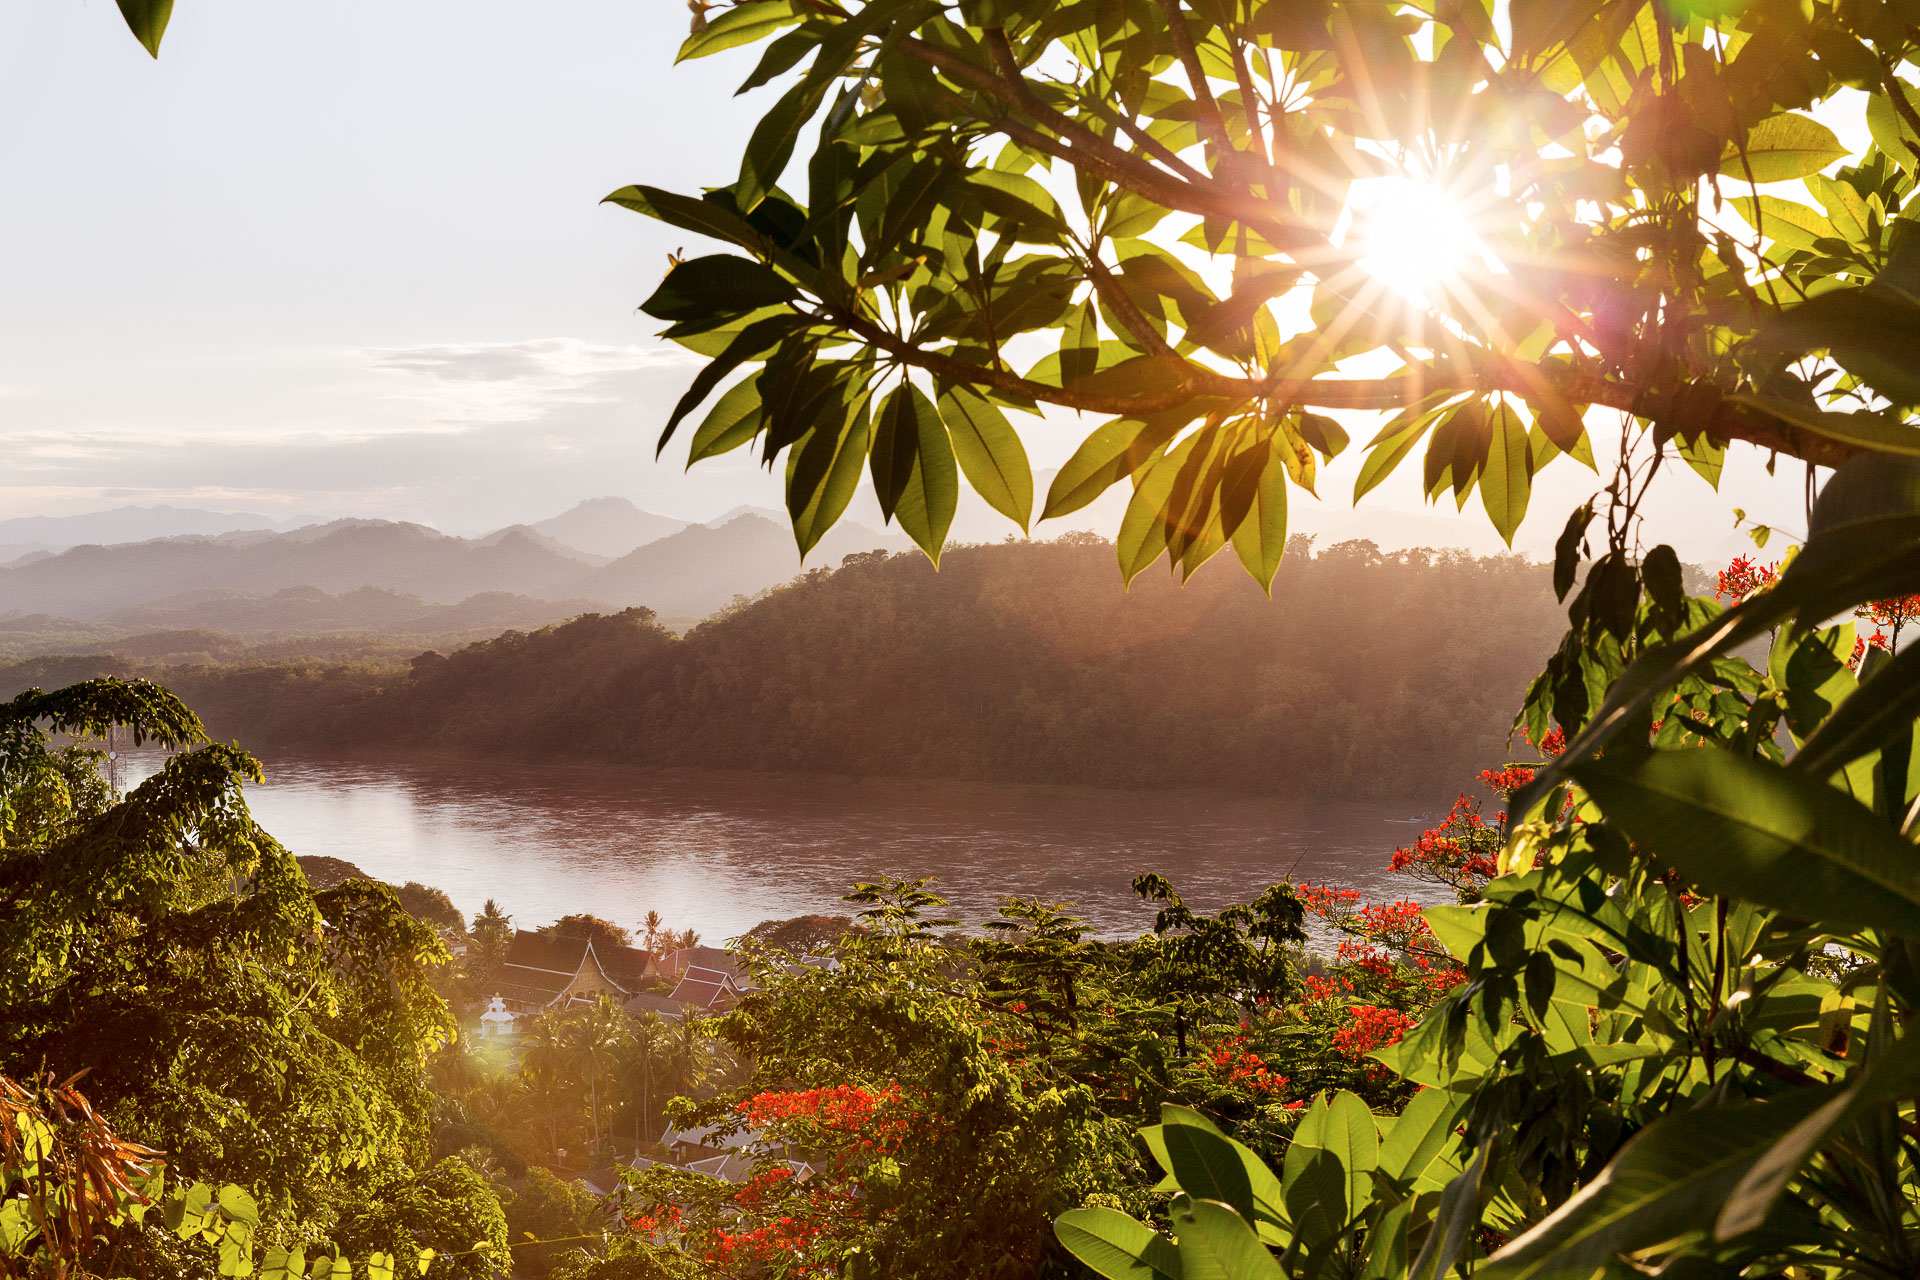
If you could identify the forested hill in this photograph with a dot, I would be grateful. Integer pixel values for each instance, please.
(1366, 675)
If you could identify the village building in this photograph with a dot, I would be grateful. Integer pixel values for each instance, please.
(544, 971)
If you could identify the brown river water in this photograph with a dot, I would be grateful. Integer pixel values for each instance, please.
(721, 852)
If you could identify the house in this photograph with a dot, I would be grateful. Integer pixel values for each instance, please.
(699, 991)
(544, 971)
(713, 990)
(676, 963)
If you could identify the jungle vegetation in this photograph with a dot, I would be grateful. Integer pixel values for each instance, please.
(1677, 1038)
(1029, 667)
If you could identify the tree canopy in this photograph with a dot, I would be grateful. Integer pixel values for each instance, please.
(1155, 212)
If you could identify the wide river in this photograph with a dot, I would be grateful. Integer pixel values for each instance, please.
(722, 852)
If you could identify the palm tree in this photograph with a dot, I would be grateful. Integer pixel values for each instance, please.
(492, 928)
(651, 924)
(641, 1070)
(454, 1069)
(544, 1058)
(594, 1037)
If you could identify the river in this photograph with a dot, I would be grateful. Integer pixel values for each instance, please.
(722, 852)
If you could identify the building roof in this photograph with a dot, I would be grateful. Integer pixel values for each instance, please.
(549, 953)
(707, 989)
(731, 1167)
(647, 1002)
(706, 957)
(530, 986)
(625, 967)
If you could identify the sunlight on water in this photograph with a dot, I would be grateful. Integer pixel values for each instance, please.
(721, 852)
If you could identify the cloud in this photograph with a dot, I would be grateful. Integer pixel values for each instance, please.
(515, 381)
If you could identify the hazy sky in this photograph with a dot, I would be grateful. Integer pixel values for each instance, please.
(348, 259)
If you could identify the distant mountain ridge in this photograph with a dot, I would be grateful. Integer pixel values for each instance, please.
(689, 571)
(125, 524)
(609, 527)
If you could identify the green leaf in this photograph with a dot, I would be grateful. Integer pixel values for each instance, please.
(1218, 1244)
(826, 464)
(278, 1264)
(1669, 1179)
(379, 1266)
(1883, 709)
(1892, 1075)
(733, 421)
(1117, 1247)
(1891, 132)
(717, 285)
(1109, 454)
(1871, 431)
(1211, 1166)
(1783, 147)
(1508, 480)
(1870, 331)
(237, 1204)
(1864, 544)
(924, 484)
(707, 217)
(1317, 1181)
(147, 19)
(773, 139)
(1783, 221)
(748, 344)
(990, 453)
(741, 24)
(1416, 1139)
(1254, 503)
(1143, 529)
(1753, 830)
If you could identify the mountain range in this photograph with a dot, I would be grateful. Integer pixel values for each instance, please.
(212, 580)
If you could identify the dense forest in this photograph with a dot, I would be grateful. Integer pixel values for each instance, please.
(1018, 661)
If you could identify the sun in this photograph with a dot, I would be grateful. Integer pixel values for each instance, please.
(1416, 236)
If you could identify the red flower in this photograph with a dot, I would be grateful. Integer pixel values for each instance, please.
(1743, 578)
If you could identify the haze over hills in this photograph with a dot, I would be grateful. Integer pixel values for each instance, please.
(125, 524)
(94, 593)
(609, 527)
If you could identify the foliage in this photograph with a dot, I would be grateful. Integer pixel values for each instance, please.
(545, 1208)
(1036, 670)
(1141, 213)
(76, 1199)
(159, 942)
(1678, 1043)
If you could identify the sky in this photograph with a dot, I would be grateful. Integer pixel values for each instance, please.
(350, 260)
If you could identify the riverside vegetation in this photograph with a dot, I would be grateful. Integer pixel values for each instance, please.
(1666, 1028)
(1040, 669)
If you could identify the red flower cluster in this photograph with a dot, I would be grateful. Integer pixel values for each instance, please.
(1897, 612)
(1743, 578)
(657, 1221)
(1330, 904)
(787, 1239)
(840, 1109)
(1459, 853)
(1508, 780)
(1239, 1066)
(1878, 640)
(1552, 745)
(1371, 1028)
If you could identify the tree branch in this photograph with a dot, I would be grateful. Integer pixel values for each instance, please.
(1210, 117)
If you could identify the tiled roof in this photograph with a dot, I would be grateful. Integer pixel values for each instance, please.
(625, 967)
(544, 951)
(705, 988)
(647, 1002)
(727, 1168)
(529, 986)
(706, 957)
